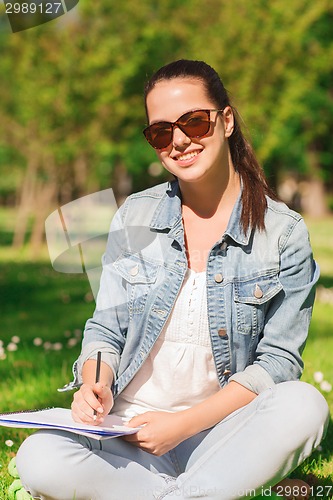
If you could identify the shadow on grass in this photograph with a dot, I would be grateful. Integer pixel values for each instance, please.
(38, 301)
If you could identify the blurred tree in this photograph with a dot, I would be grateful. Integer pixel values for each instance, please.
(71, 109)
(277, 58)
(73, 106)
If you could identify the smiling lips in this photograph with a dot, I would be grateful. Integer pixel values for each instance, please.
(186, 157)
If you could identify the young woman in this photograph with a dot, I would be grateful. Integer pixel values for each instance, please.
(202, 315)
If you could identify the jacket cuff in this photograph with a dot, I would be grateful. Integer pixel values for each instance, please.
(255, 378)
(109, 356)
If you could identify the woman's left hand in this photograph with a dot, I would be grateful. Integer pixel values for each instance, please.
(160, 433)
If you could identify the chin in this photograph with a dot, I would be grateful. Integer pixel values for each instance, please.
(190, 177)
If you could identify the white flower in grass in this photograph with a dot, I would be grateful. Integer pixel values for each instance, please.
(16, 339)
(37, 341)
(89, 297)
(47, 345)
(1, 343)
(77, 333)
(325, 386)
(57, 346)
(9, 443)
(318, 377)
(3, 356)
(12, 347)
(72, 342)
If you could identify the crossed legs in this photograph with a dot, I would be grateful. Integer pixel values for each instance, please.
(253, 448)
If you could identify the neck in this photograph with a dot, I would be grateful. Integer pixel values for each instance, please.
(207, 197)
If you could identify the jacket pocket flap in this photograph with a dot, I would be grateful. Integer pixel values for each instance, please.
(136, 270)
(258, 290)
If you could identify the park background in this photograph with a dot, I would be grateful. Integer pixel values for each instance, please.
(71, 120)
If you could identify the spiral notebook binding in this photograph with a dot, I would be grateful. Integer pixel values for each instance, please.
(26, 411)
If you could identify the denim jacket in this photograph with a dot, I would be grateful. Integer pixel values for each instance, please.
(260, 291)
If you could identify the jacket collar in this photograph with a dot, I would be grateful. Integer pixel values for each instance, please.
(168, 215)
(235, 229)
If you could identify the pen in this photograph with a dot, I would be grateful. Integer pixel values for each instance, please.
(98, 372)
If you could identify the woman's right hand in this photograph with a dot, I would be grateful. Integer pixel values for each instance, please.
(90, 398)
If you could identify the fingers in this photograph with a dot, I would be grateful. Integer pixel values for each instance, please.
(102, 391)
(85, 404)
(131, 438)
(85, 416)
(144, 418)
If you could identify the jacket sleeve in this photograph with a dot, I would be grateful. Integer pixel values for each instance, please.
(279, 352)
(106, 330)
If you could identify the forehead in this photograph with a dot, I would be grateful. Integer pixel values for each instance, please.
(169, 99)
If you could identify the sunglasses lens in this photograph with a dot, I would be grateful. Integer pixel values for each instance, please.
(195, 123)
(159, 135)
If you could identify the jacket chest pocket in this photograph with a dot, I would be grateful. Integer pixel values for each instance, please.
(138, 276)
(252, 298)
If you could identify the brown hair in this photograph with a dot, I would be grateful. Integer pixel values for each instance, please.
(255, 187)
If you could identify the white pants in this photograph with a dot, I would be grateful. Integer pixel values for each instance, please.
(254, 447)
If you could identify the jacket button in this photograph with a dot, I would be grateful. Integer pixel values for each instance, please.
(134, 271)
(258, 293)
(222, 332)
(226, 373)
(218, 278)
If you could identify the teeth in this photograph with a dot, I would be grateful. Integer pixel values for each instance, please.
(188, 156)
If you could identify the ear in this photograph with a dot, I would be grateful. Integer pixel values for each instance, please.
(228, 117)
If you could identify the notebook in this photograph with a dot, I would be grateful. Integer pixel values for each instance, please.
(61, 419)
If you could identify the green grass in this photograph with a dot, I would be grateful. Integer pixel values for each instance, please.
(50, 306)
(36, 301)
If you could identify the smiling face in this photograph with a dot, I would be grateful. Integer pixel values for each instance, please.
(191, 160)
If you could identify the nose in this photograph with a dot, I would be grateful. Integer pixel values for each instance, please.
(180, 139)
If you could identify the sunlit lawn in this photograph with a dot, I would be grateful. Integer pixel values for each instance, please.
(37, 302)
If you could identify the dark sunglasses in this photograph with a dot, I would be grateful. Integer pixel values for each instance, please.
(194, 124)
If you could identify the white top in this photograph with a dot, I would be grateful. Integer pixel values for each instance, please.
(179, 371)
